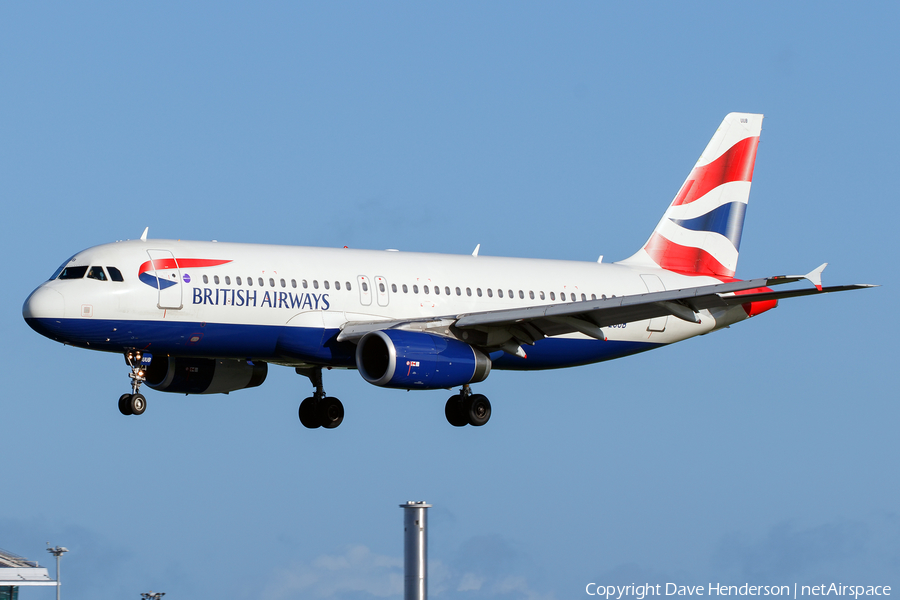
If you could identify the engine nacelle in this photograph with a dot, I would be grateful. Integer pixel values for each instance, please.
(415, 360)
(183, 375)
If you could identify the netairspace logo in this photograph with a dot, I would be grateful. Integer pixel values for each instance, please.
(639, 592)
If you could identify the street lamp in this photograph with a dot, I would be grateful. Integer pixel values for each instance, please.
(152, 595)
(57, 552)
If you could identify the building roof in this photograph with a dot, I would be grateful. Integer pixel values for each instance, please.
(18, 571)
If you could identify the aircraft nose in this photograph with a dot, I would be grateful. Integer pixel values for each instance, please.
(44, 303)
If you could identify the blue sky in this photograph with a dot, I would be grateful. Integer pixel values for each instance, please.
(764, 454)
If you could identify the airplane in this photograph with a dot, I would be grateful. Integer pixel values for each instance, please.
(197, 317)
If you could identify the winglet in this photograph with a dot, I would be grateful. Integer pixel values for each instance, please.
(815, 276)
(477, 248)
(144, 235)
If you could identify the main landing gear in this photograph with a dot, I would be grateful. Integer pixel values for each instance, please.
(319, 410)
(134, 403)
(467, 408)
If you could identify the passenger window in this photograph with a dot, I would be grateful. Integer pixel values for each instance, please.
(260, 281)
(405, 289)
(315, 284)
(425, 289)
(250, 281)
(237, 280)
(572, 296)
(511, 295)
(593, 296)
(583, 297)
(415, 289)
(522, 295)
(348, 285)
(531, 294)
(305, 285)
(447, 290)
(490, 293)
(381, 287)
(326, 284)
(364, 284)
(97, 273)
(552, 296)
(283, 283)
(205, 279)
(271, 282)
(216, 279)
(337, 285)
(227, 280)
(437, 290)
(114, 274)
(542, 295)
(458, 292)
(294, 283)
(468, 291)
(478, 291)
(394, 287)
(499, 293)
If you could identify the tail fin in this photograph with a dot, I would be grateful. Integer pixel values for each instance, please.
(700, 234)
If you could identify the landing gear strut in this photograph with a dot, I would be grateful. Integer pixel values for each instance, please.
(134, 403)
(467, 408)
(319, 410)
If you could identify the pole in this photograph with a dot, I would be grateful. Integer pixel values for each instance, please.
(415, 551)
(57, 552)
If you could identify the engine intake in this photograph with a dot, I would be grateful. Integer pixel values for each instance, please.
(183, 375)
(414, 360)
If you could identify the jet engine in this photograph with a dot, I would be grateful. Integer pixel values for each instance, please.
(183, 375)
(415, 360)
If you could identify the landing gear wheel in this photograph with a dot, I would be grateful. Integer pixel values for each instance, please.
(478, 410)
(125, 404)
(331, 412)
(137, 404)
(455, 411)
(308, 415)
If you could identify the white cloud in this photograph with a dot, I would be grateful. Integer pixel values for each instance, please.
(482, 571)
(470, 582)
(519, 587)
(356, 572)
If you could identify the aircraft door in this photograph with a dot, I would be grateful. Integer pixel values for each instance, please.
(381, 290)
(654, 284)
(365, 292)
(165, 269)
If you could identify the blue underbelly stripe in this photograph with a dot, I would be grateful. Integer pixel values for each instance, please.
(273, 342)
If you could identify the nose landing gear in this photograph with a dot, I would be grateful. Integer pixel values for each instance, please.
(319, 410)
(467, 408)
(134, 403)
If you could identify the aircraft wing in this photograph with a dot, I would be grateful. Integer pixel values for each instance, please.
(499, 328)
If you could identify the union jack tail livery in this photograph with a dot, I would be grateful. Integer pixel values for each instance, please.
(700, 234)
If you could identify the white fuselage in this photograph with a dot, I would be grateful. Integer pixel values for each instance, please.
(286, 304)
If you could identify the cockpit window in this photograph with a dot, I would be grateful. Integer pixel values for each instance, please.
(73, 272)
(97, 273)
(114, 274)
(60, 269)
